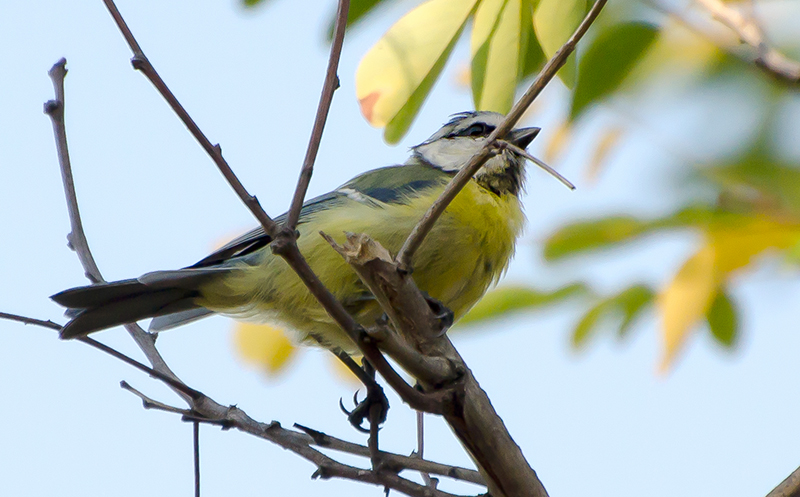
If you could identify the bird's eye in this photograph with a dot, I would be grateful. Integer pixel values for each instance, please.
(478, 129)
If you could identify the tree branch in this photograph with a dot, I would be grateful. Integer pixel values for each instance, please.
(790, 487)
(749, 32)
(77, 237)
(331, 84)
(141, 63)
(548, 72)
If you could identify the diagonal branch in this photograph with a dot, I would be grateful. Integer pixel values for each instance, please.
(548, 72)
(142, 63)
(331, 84)
(77, 237)
(749, 32)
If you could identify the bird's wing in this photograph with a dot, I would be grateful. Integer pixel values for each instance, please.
(388, 185)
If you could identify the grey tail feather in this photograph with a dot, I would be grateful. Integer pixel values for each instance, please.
(163, 323)
(97, 307)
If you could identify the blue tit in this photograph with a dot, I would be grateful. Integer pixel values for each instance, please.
(467, 250)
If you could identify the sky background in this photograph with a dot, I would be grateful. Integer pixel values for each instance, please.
(599, 422)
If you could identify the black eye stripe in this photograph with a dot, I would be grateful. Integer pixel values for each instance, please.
(474, 130)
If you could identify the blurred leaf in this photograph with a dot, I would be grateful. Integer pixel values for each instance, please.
(608, 60)
(632, 302)
(609, 138)
(396, 75)
(507, 299)
(737, 240)
(554, 22)
(253, 3)
(722, 320)
(496, 48)
(685, 301)
(264, 345)
(627, 304)
(358, 10)
(583, 236)
(533, 57)
(761, 180)
(793, 254)
(557, 141)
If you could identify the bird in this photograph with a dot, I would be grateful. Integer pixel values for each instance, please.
(466, 252)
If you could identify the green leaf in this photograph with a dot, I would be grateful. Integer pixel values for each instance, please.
(626, 305)
(591, 235)
(632, 302)
(533, 57)
(762, 178)
(608, 60)
(554, 22)
(508, 299)
(496, 53)
(357, 12)
(588, 324)
(722, 320)
(596, 234)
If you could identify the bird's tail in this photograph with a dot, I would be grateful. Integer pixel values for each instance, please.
(164, 294)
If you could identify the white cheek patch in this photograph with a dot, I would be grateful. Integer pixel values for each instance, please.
(450, 154)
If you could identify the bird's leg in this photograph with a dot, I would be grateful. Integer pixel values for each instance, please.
(375, 395)
(441, 312)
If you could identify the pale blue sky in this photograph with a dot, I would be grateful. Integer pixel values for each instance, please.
(600, 422)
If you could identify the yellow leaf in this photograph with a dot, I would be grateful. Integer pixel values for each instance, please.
(264, 345)
(736, 244)
(554, 22)
(557, 142)
(496, 41)
(684, 302)
(608, 140)
(396, 74)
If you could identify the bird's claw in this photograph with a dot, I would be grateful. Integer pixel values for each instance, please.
(441, 312)
(362, 409)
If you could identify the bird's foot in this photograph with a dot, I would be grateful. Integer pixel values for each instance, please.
(442, 313)
(363, 410)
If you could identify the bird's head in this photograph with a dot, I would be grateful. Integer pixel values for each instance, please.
(451, 147)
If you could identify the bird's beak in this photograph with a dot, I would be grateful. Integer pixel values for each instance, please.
(522, 137)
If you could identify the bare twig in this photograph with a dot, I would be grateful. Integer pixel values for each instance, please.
(750, 33)
(547, 73)
(196, 447)
(141, 63)
(331, 84)
(524, 153)
(55, 109)
(150, 403)
(77, 237)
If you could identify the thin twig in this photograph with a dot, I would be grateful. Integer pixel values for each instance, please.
(150, 403)
(196, 444)
(172, 382)
(283, 244)
(77, 237)
(750, 33)
(55, 109)
(396, 462)
(524, 153)
(141, 63)
(547, 73)
(331, 85)
(420, 452)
